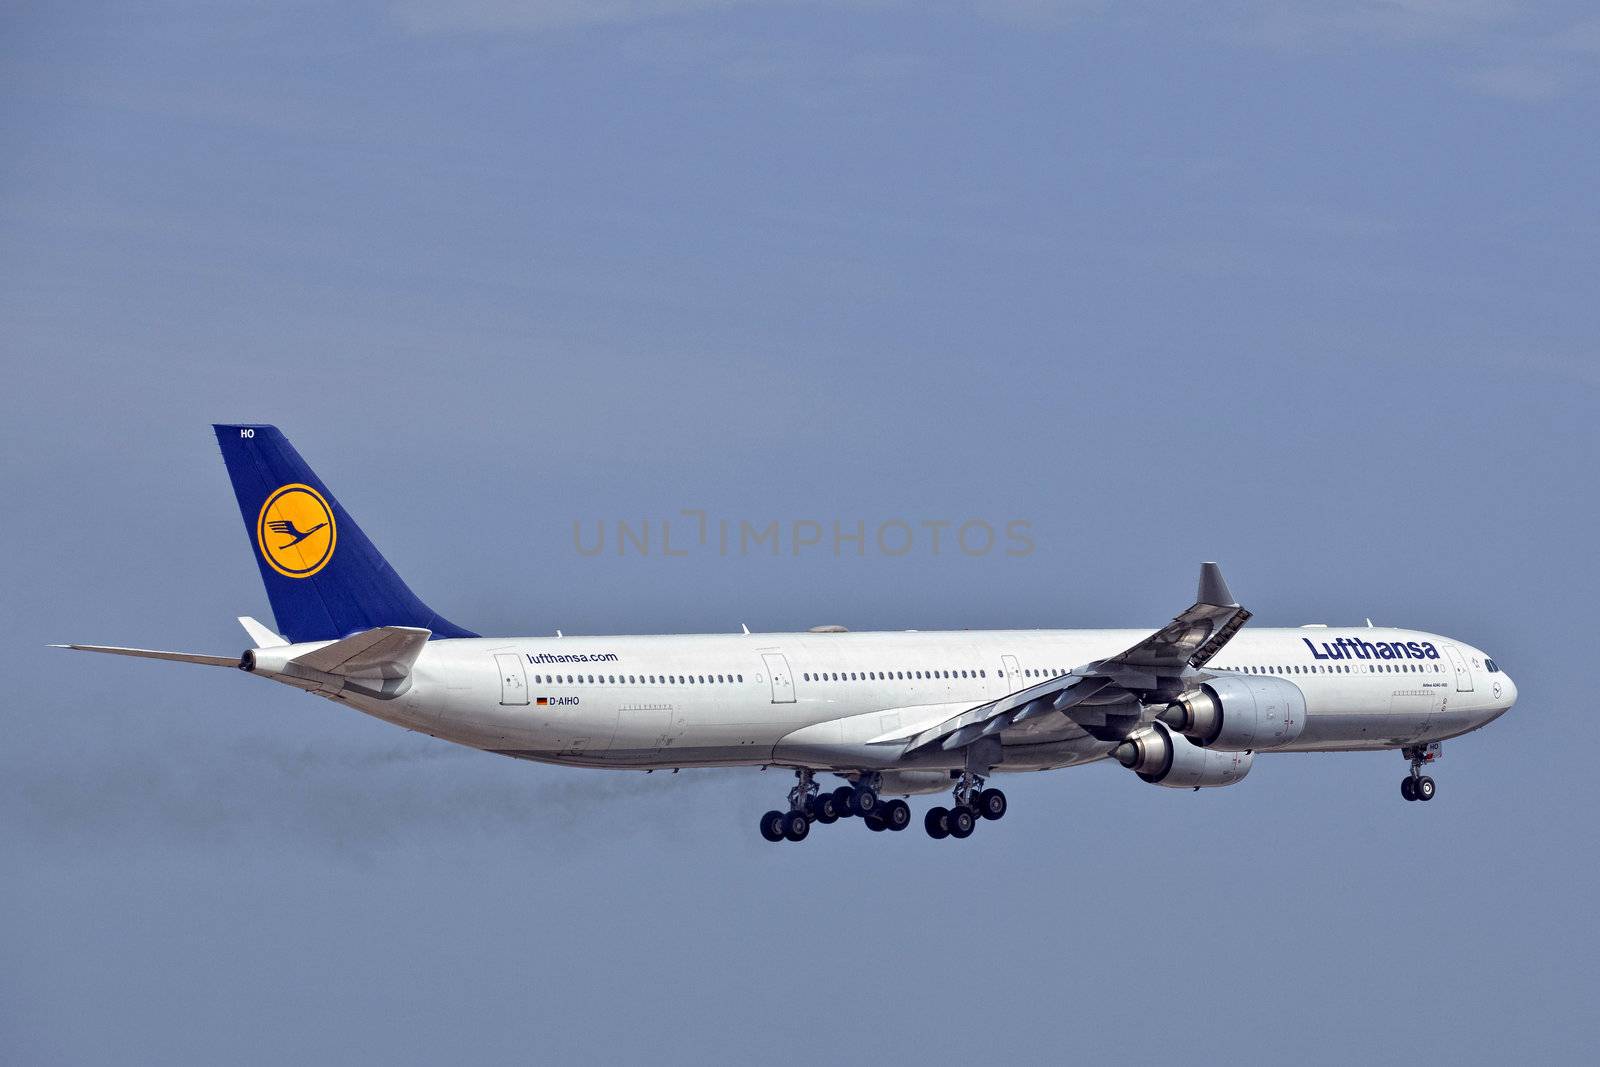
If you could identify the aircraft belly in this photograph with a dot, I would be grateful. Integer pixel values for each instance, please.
(577, 729)
(1400, 717)
(1049, 755)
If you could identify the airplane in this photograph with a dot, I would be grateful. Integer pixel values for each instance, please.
(891, 714)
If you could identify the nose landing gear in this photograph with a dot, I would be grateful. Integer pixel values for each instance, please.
(1416, 785)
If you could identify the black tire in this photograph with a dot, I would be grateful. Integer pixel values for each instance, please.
(992, 804)
(863, 801)
(1408, 787)
(1425, 788)
(937, 823)
(796, 826)
(772, 826)
(961, 822)
(822, 809)
(874, 823)
(896, 815)
(841, 802)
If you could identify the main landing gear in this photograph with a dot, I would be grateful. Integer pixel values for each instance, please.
(1416, 785)
(972, 802)
(808, 804)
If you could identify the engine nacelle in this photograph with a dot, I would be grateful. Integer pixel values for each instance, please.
(1239, 713)
(1162, 757)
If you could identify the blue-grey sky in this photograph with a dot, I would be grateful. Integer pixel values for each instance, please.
(1307, 288)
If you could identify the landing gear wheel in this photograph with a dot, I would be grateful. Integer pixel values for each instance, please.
(896, 815)
(991, 804)
(772, 826)
(796, 826)
(863, 801)
(841, 802)
(874, 823)
(1419, 786)
(961, 822)
(822, 809)
(937, 823)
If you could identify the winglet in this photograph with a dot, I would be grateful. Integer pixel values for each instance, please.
(1213, 590)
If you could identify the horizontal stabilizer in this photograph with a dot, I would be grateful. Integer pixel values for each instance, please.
(150, 653)
(261, 634)
(383, 652)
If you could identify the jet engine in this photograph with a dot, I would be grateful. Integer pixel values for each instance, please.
(1163, 757)
(1239, 713)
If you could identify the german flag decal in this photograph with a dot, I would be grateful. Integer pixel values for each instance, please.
(543, 701)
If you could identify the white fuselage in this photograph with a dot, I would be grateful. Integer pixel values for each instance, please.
(835, 701)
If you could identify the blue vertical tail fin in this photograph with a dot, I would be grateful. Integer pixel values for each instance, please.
(325, 580)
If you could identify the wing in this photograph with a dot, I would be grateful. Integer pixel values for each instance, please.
(1157, 668)
(1193, 637)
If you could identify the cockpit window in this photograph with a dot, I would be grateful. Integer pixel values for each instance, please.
(1494, 668)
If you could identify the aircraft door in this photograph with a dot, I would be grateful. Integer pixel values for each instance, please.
(1013, 673)
(1463, 675)
(513, 679)
(778, 674)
